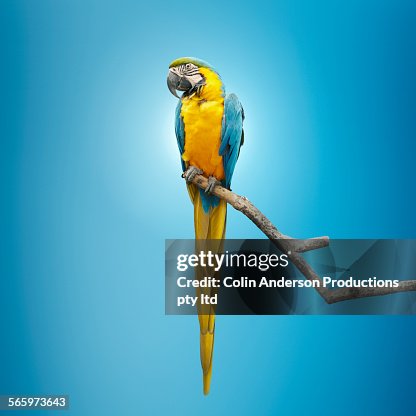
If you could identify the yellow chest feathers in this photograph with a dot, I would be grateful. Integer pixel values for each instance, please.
(202, 118)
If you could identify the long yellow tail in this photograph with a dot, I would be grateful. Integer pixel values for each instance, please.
(208, 226)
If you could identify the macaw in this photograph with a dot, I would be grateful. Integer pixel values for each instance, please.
(209, 132)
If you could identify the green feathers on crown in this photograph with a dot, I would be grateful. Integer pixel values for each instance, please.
(185, 60)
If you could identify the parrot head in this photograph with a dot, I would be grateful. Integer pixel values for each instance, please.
(185, 75)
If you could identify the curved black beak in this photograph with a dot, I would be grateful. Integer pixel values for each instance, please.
(173, 83)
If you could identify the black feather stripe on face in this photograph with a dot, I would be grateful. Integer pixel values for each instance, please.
(188, 69)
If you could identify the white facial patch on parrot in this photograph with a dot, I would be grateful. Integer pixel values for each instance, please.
(190, 72)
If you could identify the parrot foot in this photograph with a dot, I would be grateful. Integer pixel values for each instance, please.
(212, 183)
(191, 172)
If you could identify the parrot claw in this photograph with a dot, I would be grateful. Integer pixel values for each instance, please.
(212, 183)
(191, 172)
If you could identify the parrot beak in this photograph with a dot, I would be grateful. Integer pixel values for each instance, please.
(175, 82)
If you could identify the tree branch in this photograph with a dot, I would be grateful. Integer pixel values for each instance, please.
(293, 248)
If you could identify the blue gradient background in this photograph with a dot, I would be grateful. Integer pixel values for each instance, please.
(91, 187)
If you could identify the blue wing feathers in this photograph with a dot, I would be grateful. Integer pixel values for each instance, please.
(180, 132)
(231, 135)
(231, 141)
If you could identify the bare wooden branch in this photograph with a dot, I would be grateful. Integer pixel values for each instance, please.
(293, 248)
(242, 204)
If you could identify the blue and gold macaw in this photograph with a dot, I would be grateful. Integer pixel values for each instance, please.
(209, 131)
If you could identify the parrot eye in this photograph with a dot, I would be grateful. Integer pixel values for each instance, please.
(188, 66)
